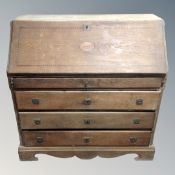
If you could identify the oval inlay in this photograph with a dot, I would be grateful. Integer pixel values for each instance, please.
(87, 46)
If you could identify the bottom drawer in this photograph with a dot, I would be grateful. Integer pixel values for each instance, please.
(83, 138)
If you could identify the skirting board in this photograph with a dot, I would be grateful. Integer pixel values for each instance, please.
(28, 153)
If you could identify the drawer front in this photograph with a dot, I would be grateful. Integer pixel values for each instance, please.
(71, 83)
(89, 100)
(91, 138)
(80, 120)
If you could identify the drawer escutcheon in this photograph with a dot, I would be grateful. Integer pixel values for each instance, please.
(88, 121)
(136, 121)
(139, 102)
(87, 101)
(39, 140)
(35, 101)
(37, 121)
(133, 139)
(86, 139)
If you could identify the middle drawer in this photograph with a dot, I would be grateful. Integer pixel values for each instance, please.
(83, 120)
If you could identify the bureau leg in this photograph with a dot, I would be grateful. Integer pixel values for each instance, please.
(26, 155)
(145, 155)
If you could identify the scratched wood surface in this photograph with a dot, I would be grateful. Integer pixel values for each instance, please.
(87, 100)
(86, 120)
(130, 45)
(87, 85)
(86, 152)
(92, 138)
(90, 83)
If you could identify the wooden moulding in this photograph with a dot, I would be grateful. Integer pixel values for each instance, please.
(28, 153)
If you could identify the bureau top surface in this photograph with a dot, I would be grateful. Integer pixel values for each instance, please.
(78, 44)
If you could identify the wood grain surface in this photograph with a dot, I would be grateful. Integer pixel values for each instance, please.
(86, 152)
(88, 46)
(87, 85)
(80, 138)
(89, 100)
(71, 83)
(86, 120)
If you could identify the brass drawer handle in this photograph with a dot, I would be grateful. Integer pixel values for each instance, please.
(86, 140)
(139, 102)
(35, 101)
(88, 121)
(37, 121)
(39, 140)
(133, 139)
(87, 101)
(136, 121)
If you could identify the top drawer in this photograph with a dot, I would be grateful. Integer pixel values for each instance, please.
(90, 83)
(87, 100)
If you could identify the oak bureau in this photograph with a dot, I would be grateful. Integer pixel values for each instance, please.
(87, 85)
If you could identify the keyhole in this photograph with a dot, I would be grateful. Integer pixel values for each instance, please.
(87, 27)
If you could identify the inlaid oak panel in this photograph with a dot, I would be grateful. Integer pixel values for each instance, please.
(88, 46)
